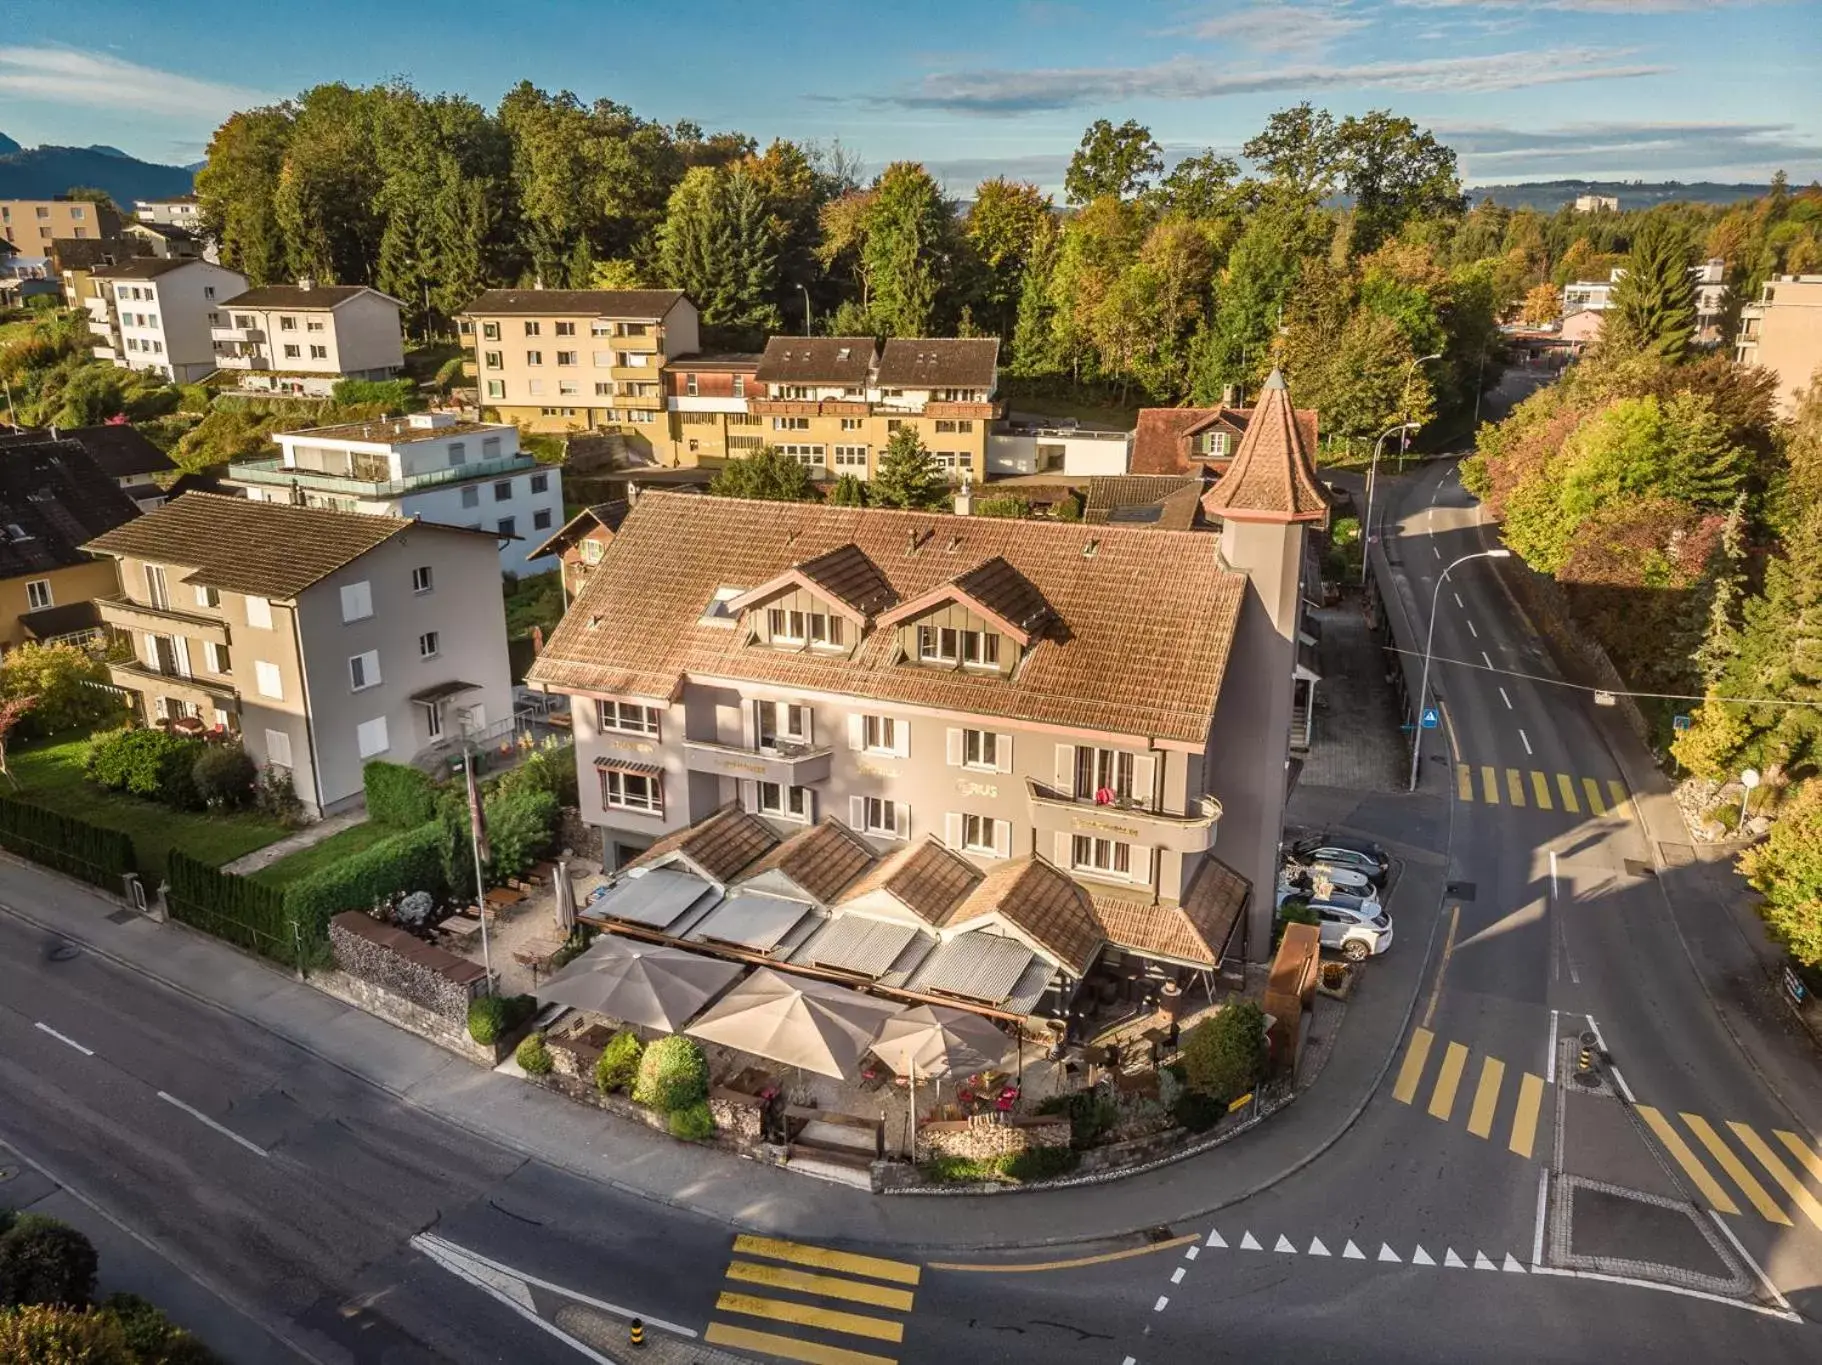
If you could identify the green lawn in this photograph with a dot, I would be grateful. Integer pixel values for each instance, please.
(354, 839)
(49, 773)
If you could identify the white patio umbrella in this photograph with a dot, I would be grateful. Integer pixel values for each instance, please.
(935, 1040)
(640, 983)
(566, 898)
(796, 1021)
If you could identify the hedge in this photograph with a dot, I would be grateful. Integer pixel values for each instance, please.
(99, 856)
(408, 861)
(398, 795)
(244, 912)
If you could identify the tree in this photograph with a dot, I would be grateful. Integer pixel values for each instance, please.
(1250, 295)
(717, 244)
(1200, 186)
(1034, 350)
(12, 710)
(236, 189)
(1653, 309)
(1300, 149)
(767, 474)
(907, 475)
(1224, 1057)
(40, 1335)
(43, 1261)
(1787, 871)
(1004, 226)
(1395, 172)
(1543, 305)
(849, 491)
(1120, 162)
(66, 687)
(909, 250)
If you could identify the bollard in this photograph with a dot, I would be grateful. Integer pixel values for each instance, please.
(638, 1333)
(1586, 1059)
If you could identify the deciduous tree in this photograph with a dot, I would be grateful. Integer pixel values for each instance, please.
(1120, 162)
(767, 474)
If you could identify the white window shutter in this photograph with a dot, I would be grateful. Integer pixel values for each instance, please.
(953, 741)
(857, 732)
(1140, 864)
(151, 650)
(857, 813)
(901, 739)
(357, 601)
(1065, 769)
(809, 804)
(1002, 753)
(901, 813)
(1002, 838)
(952, 829)
(1145, 780)
(809, 724)
(1063, 838)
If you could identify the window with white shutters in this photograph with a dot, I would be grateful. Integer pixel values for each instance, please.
(357, 601)
(370, 736)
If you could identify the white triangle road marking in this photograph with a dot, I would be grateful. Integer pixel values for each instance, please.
(1421, 1257)
(1248, 1242)
(1284, 1245)
(1512, 1267)
(1316, 1247)
(1454, 1262)
(1482, 1263)
(1215, 1239)
(1351, 1252)
(1387, 1254)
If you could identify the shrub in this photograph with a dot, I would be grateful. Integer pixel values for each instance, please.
(958, 1170)
(152, 1337)
(520, 827)
(693, 1124)
(1040, 1163)
(1092, 1115)
(240, 910)
(72, 846)
(146, 762)
(533, 1056)
(491, 1017)
(225, 777)
(573, 947)
(410, 861)
(277, 795)
(395, 395)
(398, 794)
(62, 681)
(673, 1075)
(619, 1064)
(1197, 1112)
(548, 770)
(45, 1261)
(193, 398)
(41, 1335)
(1008, 505)
(1224, 1057)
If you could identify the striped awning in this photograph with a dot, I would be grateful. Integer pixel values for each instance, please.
(621, 765)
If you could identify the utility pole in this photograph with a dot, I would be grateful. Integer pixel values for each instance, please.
(1423, 687)
(1366, 527)
(474, 840)
(804, 289)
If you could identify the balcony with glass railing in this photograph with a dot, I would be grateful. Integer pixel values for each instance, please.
(276, 473)
(1055, 811)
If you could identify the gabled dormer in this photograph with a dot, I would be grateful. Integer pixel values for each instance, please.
(824, 605)
(981, 621)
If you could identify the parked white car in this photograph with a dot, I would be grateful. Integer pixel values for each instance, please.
(1355, 928)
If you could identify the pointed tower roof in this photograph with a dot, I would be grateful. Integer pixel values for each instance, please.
(1272, 477)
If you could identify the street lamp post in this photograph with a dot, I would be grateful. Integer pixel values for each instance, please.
(1423, 687)
(1366, 528)
(1410, 373)
(804, 289)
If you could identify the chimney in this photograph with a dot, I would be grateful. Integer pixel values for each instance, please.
(1230, 395)
(306, 282)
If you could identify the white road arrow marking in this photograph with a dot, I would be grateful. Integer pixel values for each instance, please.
(1316, 1247)
(1284, 1245)
(1387, 1254)
(1250, 1243)
(1421, 1257)
(1215, 1239)
(1351, 1252)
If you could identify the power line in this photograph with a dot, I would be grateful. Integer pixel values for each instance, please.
(1611, 691)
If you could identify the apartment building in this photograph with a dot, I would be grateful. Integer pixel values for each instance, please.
(427, 465)
(1782, 330)
(33, 224)
(152, 313)
(321, 638)
(834, 402)
(53, 499)
(120, 451)
(1078, 733)
(181, 210)
(1596, 297)
(301, 338)
(578, 359)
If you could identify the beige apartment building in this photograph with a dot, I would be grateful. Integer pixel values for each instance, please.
(303, 337)
(834, 402)
(33, 224)
(958, 757)
(578, 359)
(322, 638)
(1782, 330)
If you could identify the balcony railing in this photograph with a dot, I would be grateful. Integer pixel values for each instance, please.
(137, 677)
(278, 473)
(1056, 811)
(236, 334)
(130, 615)
(104, 353)
(794, 765)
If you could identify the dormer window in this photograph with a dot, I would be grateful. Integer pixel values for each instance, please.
(787, 627)
(1217, 445)
(946, 645)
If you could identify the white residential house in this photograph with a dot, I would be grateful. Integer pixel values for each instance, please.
(150, 313)
(1596, 297)
(428, 465)
(303, 337)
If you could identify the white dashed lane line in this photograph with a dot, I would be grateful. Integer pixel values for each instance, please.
(208, 1122)
(1503, 697)
(1527, 742)
(1475, 633)
(65, 1039)
(1488, 657)
(1458, 602)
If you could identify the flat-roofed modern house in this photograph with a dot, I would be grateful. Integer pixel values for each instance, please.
(301, 338)
(428, 465)
(1042, 743)
(322, 638)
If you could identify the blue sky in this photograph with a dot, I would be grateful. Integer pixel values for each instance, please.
(1523, 89)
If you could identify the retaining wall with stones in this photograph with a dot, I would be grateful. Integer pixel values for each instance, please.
(420, 973)
(396, 1010)
(984, 1137)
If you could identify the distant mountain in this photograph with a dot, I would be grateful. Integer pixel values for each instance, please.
(40, 172)
(1547, 196)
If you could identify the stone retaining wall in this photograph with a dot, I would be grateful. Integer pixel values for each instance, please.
(984, 1137)
(436, 981)
(396, 1010)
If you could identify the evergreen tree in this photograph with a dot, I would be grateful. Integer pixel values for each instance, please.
(717, 244)
(907, 475)
(1653, 308)
(849, 491)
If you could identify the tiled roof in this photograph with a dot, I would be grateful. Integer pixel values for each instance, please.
(85, 253)
(846, 574)
(594, 303)
(54, 498)
(1007, 593)
(605, 516)
(317, 296)
(143, 267)
(720, 845)
(118, 448)
(1196, 931)
(268, 549)
(169, 231)
(816, 360)
(939, 363)
(822, 859)
(1168, 502)
(925, 877)
(1150, 615)
(721, 362)
(1046, 905)
(1272, 477)
(1164, 440)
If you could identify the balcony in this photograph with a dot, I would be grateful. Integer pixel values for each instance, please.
(102, 326)
(276, 473)
(794, 765)
(247, 360)
(649, 402)
(1054, 812)
(236, 334)
(990, 411)
(126, 614)
(808, 407)
(138, 677)
(107, 353)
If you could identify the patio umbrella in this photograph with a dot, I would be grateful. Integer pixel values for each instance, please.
(640, 983)
(566, 898)
(933, 1041)
(796, 1021)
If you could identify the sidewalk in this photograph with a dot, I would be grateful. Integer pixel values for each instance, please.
(307, 837)
(541, 1125)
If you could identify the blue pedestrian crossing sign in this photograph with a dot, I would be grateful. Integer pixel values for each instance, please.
(1680, 723)
(1431, 718)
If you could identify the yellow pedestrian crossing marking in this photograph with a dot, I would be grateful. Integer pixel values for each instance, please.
(1524, 1122)
(1464, 781)
(1515, 787)
(1489, 1084)
(779, 1282)
(1721, 1152)
(1489, 781)
(1405, 1087)
(1540, 788)
(1597, 804)
(1491, 785)
(1779, 1172)
(1567, 788)
(1679, 1151)
(1802, 1151)
(1448, 1080)
(1621, 801)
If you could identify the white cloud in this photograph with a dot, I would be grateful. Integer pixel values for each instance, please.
(91, 80)
(1278, 26)
(1616, 150)
(1019, 92)
(1621, 7)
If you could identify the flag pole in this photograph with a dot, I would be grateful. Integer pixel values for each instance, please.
(474, 839)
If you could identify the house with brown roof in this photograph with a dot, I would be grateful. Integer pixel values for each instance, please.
(302, 338)
(1198, 441)
(833, 403)
(993, 691)
(581, 541)
(154, 313)
(321, 638)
